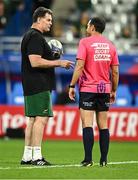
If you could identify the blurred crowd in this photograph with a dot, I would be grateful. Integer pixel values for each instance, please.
(16, 16)
(70, 17)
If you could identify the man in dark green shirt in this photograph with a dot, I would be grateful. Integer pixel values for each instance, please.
(38, 80)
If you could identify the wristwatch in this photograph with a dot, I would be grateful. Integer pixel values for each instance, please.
(71, 86)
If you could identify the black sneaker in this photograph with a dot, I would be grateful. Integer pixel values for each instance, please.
(103, 163)
(87, 163)
(26, 162)
(83, 161)
(41, 162)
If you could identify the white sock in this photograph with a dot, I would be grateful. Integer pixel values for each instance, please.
(37, 153)
(27, 155)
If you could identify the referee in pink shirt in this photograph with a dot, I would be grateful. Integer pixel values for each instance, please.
(97, 74)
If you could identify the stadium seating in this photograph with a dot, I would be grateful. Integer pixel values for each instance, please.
(3, 96)
(124, 97)
(16, 96)
(54, 97)
(136, 100)
(120, 29)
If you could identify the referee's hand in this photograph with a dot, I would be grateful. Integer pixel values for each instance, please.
(112, 97)
(72, 93)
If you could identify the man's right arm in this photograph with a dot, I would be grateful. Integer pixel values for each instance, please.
(38, 62)
(34, 51)
(115, 79)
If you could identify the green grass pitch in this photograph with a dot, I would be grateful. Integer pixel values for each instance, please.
(66, 156)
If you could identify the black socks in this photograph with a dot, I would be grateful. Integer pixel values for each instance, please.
(104, 143)
(88, 141)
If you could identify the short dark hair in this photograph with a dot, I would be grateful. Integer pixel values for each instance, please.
(40, 12)
(99, 23)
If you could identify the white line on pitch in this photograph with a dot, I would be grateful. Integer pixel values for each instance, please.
(66, 166)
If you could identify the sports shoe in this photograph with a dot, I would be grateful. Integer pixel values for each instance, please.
(103, 163)
(41, 162)
(83, 161)
(26, 162)
(87, 163)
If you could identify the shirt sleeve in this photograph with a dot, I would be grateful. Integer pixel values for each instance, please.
(115, 60)
(35, 45)
(81, 54)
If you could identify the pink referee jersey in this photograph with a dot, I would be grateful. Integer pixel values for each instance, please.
(99, 55)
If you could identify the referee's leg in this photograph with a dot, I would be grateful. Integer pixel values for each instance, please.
(104, 136)
(88, 137)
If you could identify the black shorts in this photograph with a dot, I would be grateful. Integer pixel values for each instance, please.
(94, 101)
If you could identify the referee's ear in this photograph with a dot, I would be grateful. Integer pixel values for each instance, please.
(38, 20)
(92, 28)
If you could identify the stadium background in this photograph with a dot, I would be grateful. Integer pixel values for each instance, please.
(70, 20)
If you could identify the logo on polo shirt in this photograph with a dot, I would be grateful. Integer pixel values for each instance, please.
(101, 88)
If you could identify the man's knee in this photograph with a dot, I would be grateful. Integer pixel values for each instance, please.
(41, 120)
(102, 124)
(102, 121)
(86, 123)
